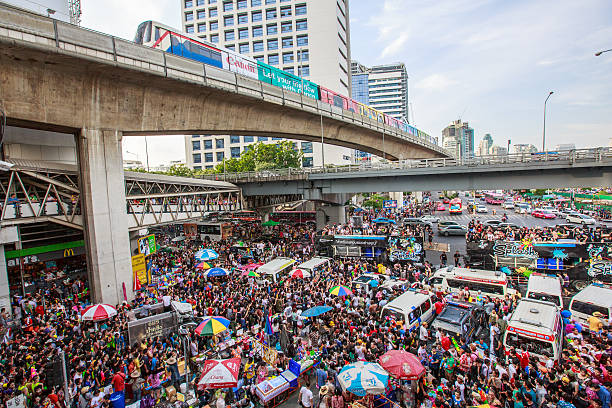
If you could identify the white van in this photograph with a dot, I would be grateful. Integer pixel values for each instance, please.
(489, 283)
(277, 268)
(314, 265)
(536, 327)
(597, 297)
(545, 287)
(413, 308)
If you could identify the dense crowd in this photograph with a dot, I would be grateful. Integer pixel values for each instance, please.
(101, 360)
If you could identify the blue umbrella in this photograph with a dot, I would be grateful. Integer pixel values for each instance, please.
(383, 220)
(506, 270)
(206, 255)
(373, 283)
(316, 311)
(216, 272)
(363, 378)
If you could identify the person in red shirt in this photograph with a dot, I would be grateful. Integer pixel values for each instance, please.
(119, 382)
(523, 357)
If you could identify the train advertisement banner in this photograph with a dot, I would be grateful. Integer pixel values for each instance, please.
(406, 249)
(240, 65)
(287, 81)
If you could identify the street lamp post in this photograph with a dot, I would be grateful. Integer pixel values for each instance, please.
(597, 54)
(544, 129)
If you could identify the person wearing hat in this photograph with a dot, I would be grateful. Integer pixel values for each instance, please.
(83, 400)
(172, 366)
(595, 323)
(324, 397)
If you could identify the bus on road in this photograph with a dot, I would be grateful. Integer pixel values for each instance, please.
(494, 198)
(455, 206)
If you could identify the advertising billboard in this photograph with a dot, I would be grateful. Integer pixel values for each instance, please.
(285, 80)
(240, 65)
(389, 203)
(146, 245)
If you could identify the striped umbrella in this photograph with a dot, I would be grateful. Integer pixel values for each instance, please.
(363, 378)
(206, 255)
(203, 265)
(212, 325)
(340, 291)
(216, 272)
(252, 274)
(98, 312)
(300, 273)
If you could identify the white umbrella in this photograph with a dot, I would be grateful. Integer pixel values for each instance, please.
(98, 312)
(363, 378)
(219, 374)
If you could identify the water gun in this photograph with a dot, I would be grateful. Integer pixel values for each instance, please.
(455, 344)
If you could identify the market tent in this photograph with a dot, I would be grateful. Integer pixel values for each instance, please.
(219, 374)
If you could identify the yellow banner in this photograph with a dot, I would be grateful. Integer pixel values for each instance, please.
(139, 268)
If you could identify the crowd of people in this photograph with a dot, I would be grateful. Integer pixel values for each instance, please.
(102, 361)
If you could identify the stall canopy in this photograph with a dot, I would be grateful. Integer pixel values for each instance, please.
(219, 374)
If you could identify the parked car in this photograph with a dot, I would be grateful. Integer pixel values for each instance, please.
(440, 207)
(430, 218)
(508, 204)
(480, 208)
(446, 200)
(578, 218)
(446, 223)
(522, 208)
(508, 225)
(452, 230)
(492, 223)
(544, 214)
(416, 221)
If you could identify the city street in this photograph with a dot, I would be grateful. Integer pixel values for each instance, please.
(458, 242)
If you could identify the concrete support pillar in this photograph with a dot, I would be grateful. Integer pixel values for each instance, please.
(103, 197)
(330, 215)
(7, 235)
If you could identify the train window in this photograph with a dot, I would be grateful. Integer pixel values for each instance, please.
(338, 101)
(147, 37)
(157, 33)
(138, 39)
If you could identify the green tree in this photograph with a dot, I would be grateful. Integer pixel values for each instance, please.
(180, 170)
(263, 156)
(375, 201)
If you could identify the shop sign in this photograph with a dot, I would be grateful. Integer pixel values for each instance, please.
(389, 203)
(139, 268)
(146, 245)
(598, 268)
(47, 256)
(151, 327)
(513, 249)
(379, 241)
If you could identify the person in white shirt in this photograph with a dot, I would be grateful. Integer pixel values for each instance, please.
(423, 333)
(305, 396)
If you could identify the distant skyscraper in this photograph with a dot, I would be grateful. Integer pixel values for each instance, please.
(484, 147)
(498, 150)
(383, 87)
(563, 147)
(524, 148)
(308, 38)
(458, 139)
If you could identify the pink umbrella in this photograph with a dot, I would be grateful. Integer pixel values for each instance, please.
(402, 364)
(219, 374)
(98, 312)
(299, 273)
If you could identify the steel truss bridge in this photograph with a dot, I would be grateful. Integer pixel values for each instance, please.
(34, 192)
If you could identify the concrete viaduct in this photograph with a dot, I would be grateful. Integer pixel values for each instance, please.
(58, 77)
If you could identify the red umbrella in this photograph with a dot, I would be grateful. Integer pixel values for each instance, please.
(98, 312)
(219, 374)
(402, 364)
(299, 273)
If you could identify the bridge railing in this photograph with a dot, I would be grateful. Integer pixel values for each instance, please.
(41, 31)
(569, 157)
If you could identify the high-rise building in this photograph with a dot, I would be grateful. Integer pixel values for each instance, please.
(458, 139)
(524, 148)
(564, 147)
(484, 147)
(308, 38)
(387, 88)
(499, 150)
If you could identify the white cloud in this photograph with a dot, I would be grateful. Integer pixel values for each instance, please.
(435, 82)
(394, 47)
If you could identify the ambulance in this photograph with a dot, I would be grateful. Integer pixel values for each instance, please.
(537, 328)
(489, 283)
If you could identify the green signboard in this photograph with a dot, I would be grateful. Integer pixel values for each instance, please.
(146, 245)
(285, 80)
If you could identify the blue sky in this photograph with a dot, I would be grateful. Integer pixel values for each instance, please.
(489, 62)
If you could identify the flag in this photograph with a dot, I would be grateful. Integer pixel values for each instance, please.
(137, 285)
(269, 330)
